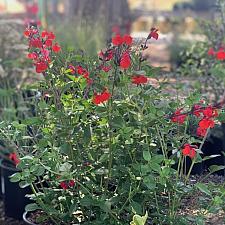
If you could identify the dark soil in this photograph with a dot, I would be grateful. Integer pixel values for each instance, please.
(192, 207)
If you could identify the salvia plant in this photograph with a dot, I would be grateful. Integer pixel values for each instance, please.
(106, 145)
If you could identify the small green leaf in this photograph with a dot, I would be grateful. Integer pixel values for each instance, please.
(149, 181)
(139, 220)
(147, 155)
(31, 207)
(215, 168)
(15, 177)
(65, 167)
(203, 188)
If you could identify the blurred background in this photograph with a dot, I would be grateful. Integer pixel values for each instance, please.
(88, 24)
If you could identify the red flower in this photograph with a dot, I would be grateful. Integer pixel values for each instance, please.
(211, 51)
(197, 111)
(36, 43)
(206, 123)
(27, 33)
(125, 61)
(48, 42)
(32, 55)
(106, 68)
(139, 79)
(189, 150)
(127, 39)
(63, 185)
(117, 40)
(41, 67)
(100, 98)
(14, 158)
(209, 112)
(56, 48)
(178, 117)
(51, 36)
(201, 132)
(220, 55)
(153, 34)
(71, 183)
(44, 33)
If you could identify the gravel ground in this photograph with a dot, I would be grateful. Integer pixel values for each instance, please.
(191, 206)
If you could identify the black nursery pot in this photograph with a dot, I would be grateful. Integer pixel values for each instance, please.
(13, 196)
(25, 219)
(197, 169)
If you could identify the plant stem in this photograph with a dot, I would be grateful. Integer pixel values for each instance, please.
(194, 160)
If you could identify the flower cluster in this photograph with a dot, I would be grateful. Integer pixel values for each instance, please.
(178, 117)
(41, 46)
(220, 54)
(80, 71)
(189, 150)
(206, 115)
(102, 97)
(207, 118)
(67, 184)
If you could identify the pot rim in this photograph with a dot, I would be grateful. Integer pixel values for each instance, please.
(26, 220)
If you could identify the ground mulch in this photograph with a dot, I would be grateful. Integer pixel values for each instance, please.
(191, 206)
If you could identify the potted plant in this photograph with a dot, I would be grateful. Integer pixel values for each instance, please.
(96, 154)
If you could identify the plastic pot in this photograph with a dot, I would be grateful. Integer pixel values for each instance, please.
(13, 196)
(25, 215)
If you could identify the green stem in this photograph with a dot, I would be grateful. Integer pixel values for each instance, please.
(42, 204)
(194, 160)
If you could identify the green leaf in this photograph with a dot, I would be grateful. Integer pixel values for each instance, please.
(104, 157)
(139, 220)
(65, 167)
(31, 207)
(155, 166)
(137, 208)
(117, 122)
(149, 181)
(215, 168)
(210, 157)
(15, 177)
(39, 171)
(24, 184)
(157, 158)
(203, 188)
(33, 121)
(147, 155)
(65, 149)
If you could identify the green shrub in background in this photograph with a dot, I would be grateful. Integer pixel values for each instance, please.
(197, 62)
(91, 37)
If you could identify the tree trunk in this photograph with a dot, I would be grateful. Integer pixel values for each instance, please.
(109, 12)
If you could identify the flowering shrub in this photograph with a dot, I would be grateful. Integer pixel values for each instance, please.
(105, 142)
(205, 58)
